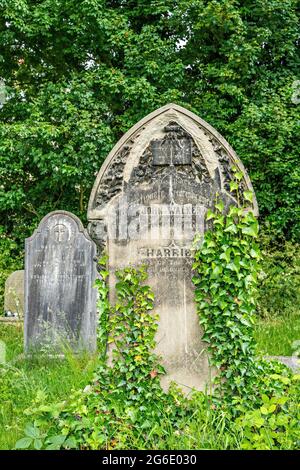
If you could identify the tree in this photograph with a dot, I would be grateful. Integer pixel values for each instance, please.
(79, 74)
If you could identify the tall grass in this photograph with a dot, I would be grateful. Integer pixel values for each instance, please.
(21, 381)
(24, 382)
(275, 336)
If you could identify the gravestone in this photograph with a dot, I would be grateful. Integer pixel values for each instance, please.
(148, 202)
(60, 301)
(14, 294)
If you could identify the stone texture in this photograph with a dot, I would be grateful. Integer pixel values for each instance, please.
(149, 199)
(14, 294)
(60, 301)
(293, 362)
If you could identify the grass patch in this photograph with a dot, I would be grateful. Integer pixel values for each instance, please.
(21, 382)
(24, 383)
(275, 336)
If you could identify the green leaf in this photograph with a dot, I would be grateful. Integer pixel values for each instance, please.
(226, 255)
(254, 252)
(239, 175)
(265, 399)
(56, 442)
(37, 444)
(24, 443)
(264, 410)
(32, 431)
(70, 443)
(210, 215)
(220, 206)
(248, 195)
(233, 186)
(216, 272)
(252, 230)
(231, 229)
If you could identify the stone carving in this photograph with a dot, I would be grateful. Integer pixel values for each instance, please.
(177, 149)
(174, 149)
(226, 164)
(113, 179)
(60, 301)
(172, 167)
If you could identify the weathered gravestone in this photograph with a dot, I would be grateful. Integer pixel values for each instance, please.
(60, 301)
(14, 294)
(149, 199)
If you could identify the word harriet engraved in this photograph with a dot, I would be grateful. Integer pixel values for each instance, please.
(149, 200)
(60, 301)
(171, 251)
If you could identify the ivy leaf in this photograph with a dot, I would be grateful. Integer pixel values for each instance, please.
(226, 255)
(220, 206)
(231, 229)
(254, 252)
(252, 230)
(32, 431)
(239, 175)
(210, 215)
(248, 195)
(216, 272)
(56, 442)
(264, 410)
(233, 186)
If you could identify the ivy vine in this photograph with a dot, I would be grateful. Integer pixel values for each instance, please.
(225, 277)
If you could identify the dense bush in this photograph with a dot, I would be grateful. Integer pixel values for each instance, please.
(75, 76)
(79, 74)
(279, 279)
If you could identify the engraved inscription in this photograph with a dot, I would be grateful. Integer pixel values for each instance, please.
(60, 298)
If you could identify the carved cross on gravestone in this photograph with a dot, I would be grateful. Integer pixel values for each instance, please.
(60, 301)
(60, 231)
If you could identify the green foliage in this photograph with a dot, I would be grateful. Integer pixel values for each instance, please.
(278, 336)
(124, 407)
(226, 274)
(125, 395)
(103, 306)
(132, 329)
(27, 385)
(225, 279)
(79, 74)
(275, 423)
(279, 279)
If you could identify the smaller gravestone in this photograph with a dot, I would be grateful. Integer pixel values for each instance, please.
(60, 301)
(14, 294)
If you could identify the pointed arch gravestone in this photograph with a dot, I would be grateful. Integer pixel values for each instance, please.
(148, 201)
(60, 301)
